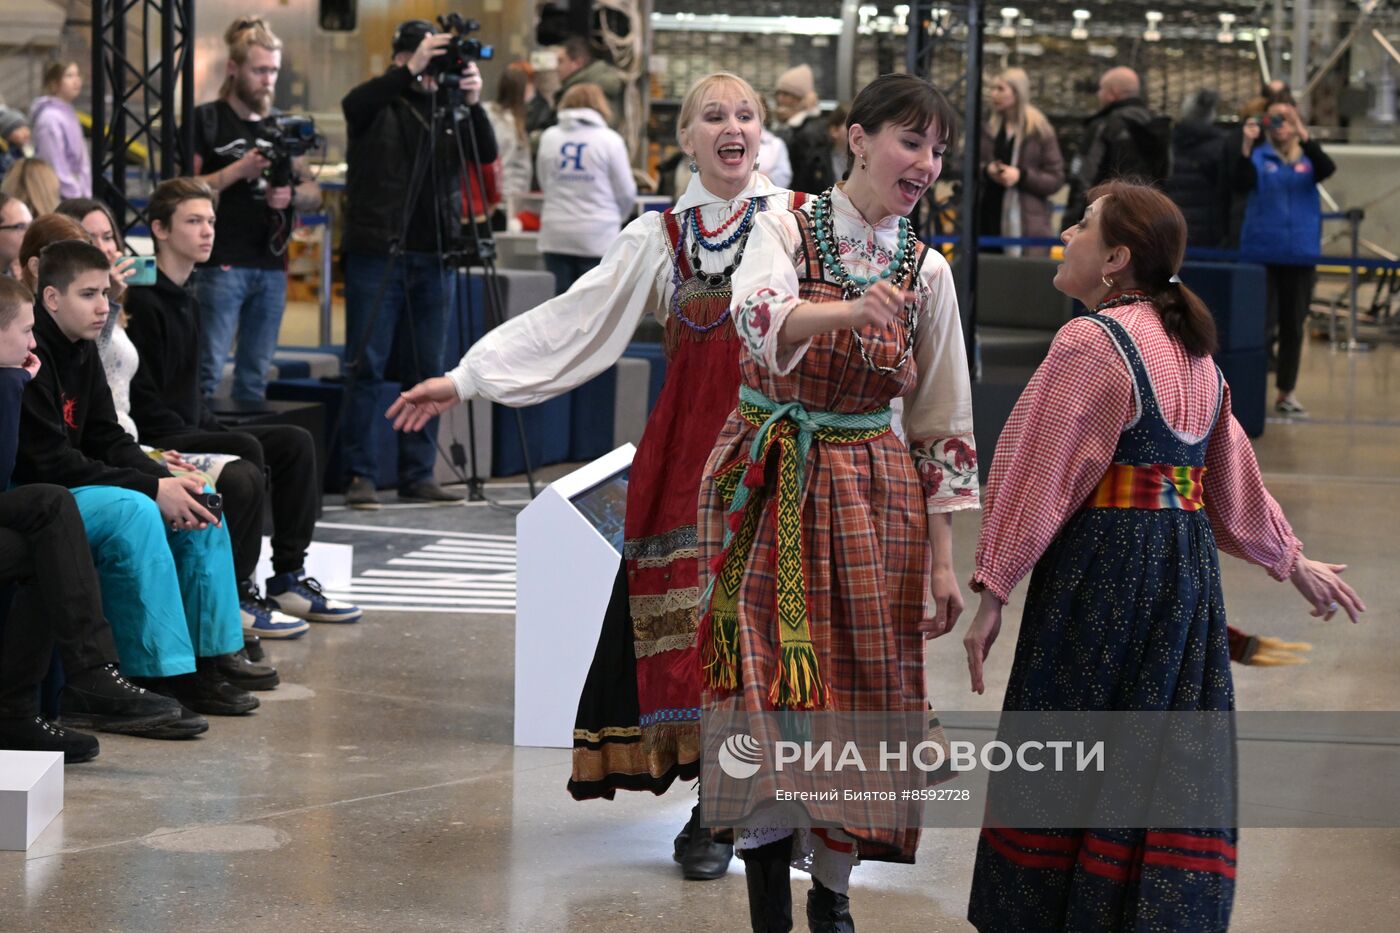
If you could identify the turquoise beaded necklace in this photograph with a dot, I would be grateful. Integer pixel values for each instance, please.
(855, 285)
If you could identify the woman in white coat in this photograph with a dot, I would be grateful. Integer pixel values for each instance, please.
(587, 183)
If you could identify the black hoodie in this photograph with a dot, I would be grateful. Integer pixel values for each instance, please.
(164, 328)
(68, 432)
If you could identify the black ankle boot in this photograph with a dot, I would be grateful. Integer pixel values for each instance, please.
(770, 890)
(705, 858)
(827, 911)
(682, 840)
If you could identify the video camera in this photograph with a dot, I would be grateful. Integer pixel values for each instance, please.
(282, 138)
(450, 67)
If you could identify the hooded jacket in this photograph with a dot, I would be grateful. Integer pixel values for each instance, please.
(1123, 140)
(164, 328)
(58, 140)
(587, 184)
(68, 431)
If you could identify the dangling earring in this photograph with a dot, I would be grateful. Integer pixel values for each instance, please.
(755, 165)
(1107, 282)
(693, 167)
(863, 166)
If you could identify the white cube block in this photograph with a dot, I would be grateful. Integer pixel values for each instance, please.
(31, 795)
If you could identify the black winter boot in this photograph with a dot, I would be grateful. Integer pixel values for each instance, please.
(827, 911)
(770, 890)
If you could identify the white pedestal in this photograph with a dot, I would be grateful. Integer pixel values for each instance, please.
(31, 795)
(564, 576)
(331, 564)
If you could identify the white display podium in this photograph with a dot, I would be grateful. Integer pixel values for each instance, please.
(31, 795)
(568, 548)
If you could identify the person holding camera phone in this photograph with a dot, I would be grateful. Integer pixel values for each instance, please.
(242, 287)
(397, 285)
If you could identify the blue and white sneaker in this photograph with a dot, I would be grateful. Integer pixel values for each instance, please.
(262, 620)
(298, 595)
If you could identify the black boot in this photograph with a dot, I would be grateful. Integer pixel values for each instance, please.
(252, 647)
(34, 734)
(205, 691)
(827, 911)
(241, 671)
(682, 840)
(100, 698)
(770, 890)
(189, 725)
(704, 859)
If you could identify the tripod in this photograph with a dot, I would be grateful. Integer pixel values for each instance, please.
(447, 104)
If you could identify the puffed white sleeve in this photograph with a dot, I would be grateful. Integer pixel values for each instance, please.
(765, 292)
(573, 337)
(938, 411)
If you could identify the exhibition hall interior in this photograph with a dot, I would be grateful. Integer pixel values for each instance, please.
(427, 426)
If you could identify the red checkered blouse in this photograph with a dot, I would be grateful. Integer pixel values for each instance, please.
(1059, 442)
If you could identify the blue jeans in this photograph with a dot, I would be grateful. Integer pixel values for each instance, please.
(567, 269)
(170, 596)
(243, 302)
(412, 320)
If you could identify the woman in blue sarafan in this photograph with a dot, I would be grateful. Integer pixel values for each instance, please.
(1119, 474)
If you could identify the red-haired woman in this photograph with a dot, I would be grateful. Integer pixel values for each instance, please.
(1119, 473)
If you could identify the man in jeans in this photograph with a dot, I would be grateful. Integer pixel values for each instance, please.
(242, 287)
(401, 300)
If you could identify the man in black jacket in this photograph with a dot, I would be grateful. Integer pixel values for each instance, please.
(1122, 140)
(58, 603)
(169, 411)
(163, 559)
(397, 293)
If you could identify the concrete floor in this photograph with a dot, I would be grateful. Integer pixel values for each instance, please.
(377, 789)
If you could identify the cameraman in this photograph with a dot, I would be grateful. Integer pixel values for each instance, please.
(242, 289)
(402, 300)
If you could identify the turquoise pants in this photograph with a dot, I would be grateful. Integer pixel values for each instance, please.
(169, 596)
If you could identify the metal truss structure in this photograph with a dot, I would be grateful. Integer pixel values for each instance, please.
(142, 95)
(939, 30)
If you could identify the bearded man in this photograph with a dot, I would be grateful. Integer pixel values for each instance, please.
(242, 288)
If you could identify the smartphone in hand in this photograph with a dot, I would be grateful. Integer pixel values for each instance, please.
(143, 271)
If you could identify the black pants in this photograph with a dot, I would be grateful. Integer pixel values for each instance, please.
(1290, 290)
(287, 453)
(58, 603)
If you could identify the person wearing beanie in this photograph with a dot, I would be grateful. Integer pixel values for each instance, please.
(804, 130)
(14, 133)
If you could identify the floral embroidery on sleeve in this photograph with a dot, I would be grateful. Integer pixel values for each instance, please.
(757, 320)
(948, 470)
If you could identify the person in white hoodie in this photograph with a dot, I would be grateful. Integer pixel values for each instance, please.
(587, 182)
(58, 136)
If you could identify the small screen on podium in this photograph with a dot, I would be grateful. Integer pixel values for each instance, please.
(605, 507)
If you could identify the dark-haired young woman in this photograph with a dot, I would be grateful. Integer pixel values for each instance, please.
(827, 541)
(1117, 475)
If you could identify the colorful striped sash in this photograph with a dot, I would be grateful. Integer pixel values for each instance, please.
(1149, 486)
(787, 430)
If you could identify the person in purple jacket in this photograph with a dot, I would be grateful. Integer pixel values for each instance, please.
(58, 137)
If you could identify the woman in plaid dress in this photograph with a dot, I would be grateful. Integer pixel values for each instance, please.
(825, 537)
(1117, 476)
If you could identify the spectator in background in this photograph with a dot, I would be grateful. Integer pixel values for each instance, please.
(1122, 140)
(15, 219)
(1282, 219)
(773, 159)
(1021, 164)
(1253, 109)
(35, 183)
(836, 135)
(509, 121)
(1199, 183)
(15, 135)
(578, 65)
(587, 183)
(805, 130)
(58, 136)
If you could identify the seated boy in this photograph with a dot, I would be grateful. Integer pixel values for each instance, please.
(169, 411)
(163, 559)
(62, 605)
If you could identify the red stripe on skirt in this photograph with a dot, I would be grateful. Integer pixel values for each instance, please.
(1189, 863)
(1187, 841)
(1027, 859)
(1119, 873)
(1110, 849)
(1027, 840)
